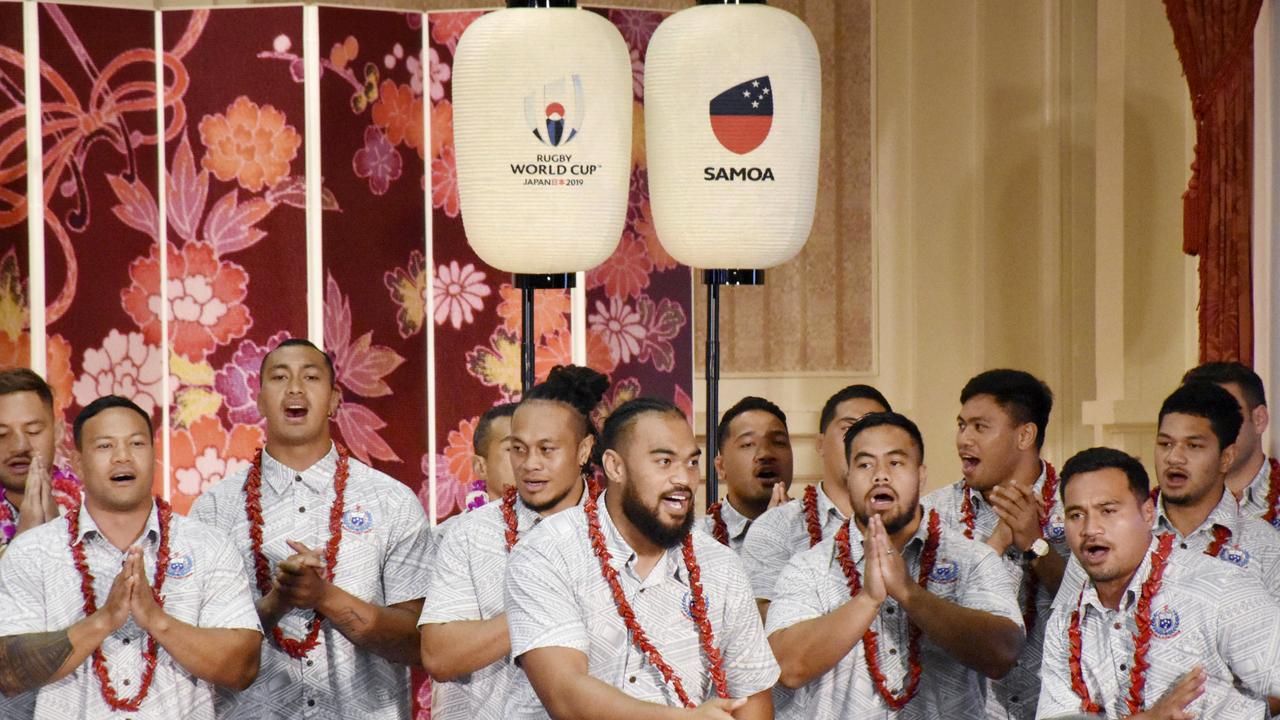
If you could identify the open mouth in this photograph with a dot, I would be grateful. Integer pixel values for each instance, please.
(1095, 553)
(123, 476)
(534, 485)
(968, 463)
(295, 411)
(880, 500)
(677, 502)
(1175, 477)
(768, 475)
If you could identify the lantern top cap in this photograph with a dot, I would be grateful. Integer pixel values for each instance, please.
(731, 2)
(542, 4)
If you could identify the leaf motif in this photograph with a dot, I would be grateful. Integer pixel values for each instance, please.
(191, 373)
(359, 427)
(137, 208)
(337, 320)
(188, 192)
(195, 403)
(290, 191)
(367, 364)
(230, 225)
(662, 323)
(328, 201)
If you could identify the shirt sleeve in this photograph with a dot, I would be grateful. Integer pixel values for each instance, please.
(22, 590)
(205, 509)
(541, 605)
(991, 587)
(406, 567)
(1056, 696)
(451, 588)
(228, 600)
(1251, 649)
(796, 597)
(765, 552)
(748, 660)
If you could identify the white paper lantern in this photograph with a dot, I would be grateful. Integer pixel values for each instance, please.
(732, 113)
(542, 103)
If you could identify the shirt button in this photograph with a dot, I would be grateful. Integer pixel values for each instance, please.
(1116, 626)
(893, 651)
(631, 679)
(297, 478)
(126, 681)
(1123, 666)
(1182, 545)
(888, 611)
(1013, 698)
(310, 663)
(311, 703)
(302, 509)
(126, 641)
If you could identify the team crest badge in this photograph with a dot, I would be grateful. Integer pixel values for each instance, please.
(1275, 523)
(1164, 622)
(180, 567)
(1057, 529)
(687, 605)
(945, 571)
(1235, 555)
(357, 521)
(555, 114)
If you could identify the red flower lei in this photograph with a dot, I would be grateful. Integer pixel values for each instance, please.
(1273, 493)
(593, 489)
(1221, 534)
(1141, 640)
(628, 615)
(262, 567)
(870, 647)
(1047, 492)
(8, 526)
(719, 530)
(966, 512)
(149, 655)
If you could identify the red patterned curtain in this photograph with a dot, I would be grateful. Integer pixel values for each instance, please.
(1215, 45)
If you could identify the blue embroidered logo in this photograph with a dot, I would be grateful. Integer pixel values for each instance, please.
(1057, 529)
(1276, 522)
(180, 567)
(357, 521)
(1164, 622)
(687, 605)
(945, 571)
(1235, 555)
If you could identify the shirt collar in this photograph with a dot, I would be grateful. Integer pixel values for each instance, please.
(622, 557)
(734, 522)
(1226, 513)
(151, 531)
(1258, 488)
(527, 518)
(317, 477)
(828, 508)
(1089, 595)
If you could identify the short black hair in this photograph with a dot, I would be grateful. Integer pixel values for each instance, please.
(300, 342)
(106, 402)
(882, 419)
(1025, 397)
(1223, 373)
(1102, 458)
(1209, 401)
(624, 416)
(746, 404)
(16, 380)
(480, 439)
(849, 392)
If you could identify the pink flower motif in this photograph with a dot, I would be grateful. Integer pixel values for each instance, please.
(447, 27)
(451, 493)
(237, 380)
(622, 328)
(626, 273)
(636, 26)
(124, 365)
(457, 292)
(637, 74)
(444, 182)
(378, 160)
(414, 66)
(440, 74)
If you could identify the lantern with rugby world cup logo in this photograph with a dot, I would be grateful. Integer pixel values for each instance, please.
(732, 110)
(542, 103)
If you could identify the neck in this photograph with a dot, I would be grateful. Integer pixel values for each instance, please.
(1186, 519)
(751, 511)
(838, 494)
(568, 501)
(299, 456)
(1241, 477)
(1025, 473)
(647, 551)
(120, 528)
(904, 534)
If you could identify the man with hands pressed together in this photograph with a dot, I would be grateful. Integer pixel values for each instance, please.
(896, 616)
(27, 437)
(337, 553)
(122, 605)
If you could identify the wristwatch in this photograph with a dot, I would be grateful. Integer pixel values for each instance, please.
(1038, 549)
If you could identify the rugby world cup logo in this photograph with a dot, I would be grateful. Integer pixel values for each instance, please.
(555, 114)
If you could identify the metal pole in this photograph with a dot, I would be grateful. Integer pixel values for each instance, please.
(528, 340)
(713, 383)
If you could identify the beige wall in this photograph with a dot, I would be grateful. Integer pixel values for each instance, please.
(1028, 165)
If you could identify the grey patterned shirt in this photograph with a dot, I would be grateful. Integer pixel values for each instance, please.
(777, 535)
(467, 584)
(557, 597)
(383, 560)
(966, 573)
(735, 523)
(1207, 613)
(206, 586)
(1254, 500)
(1012, 697)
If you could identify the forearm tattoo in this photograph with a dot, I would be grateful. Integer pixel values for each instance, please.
(28, 661)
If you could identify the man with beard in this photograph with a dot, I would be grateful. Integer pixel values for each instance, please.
(338, 552)
(92, 599)
(781, 532)
(1008, 498)
(755, 461)
(1156, 633)
(617, 610)
(27, 434)
(1253, 479)
(897, 615)
(465, 643)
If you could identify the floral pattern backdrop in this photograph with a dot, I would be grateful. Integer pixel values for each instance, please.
(234, 260)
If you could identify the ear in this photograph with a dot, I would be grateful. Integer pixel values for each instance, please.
(613, 468)
(924, 479)
(1227, 458)
(1026, 436)
(335, 397)
(1149, 511)
(479, 467)
(585, 446)
(1261, 418)
(719, 463)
